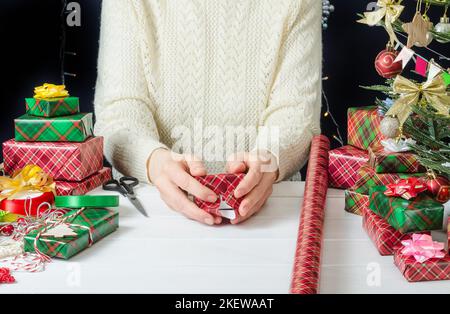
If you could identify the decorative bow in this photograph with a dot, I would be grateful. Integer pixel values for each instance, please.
(406, 188)
(433, 91)
(423, 248)
(390, 10)
(398, 146)
(50, 91)
(30, 178)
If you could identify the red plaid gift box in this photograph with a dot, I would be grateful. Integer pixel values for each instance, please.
(431, 270)
(62, 161)
(370, 178)
(385, 238)
(223, 185)
(364, 127)
(80, 188)
(388, 162)
(356, 202)
(343, 166)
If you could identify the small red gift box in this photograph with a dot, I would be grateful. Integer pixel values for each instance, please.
(430, 270)
(223, 185)
(343, 166)
(61, 160)
(385, 238)
(364, 127)
(92, 182)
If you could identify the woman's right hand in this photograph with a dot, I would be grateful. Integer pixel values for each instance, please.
(173, 175)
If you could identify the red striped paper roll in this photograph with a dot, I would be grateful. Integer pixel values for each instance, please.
(305, 277)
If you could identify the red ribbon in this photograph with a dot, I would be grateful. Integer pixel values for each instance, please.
(30, 206)
(406, 188)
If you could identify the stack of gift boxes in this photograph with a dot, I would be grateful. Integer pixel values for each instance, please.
(370, 176)
(55, 136)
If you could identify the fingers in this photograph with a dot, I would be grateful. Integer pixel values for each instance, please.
(258, 193)
(186, 182)
(195, 166)
(255, 209)
(179, 202)
(250, 181)
(236, 163)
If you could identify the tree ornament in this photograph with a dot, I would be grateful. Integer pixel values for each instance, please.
(418, 31)
(6, 230)
(439, 187)
(443, 28)
(60, 231)
(390, 127)
(385, 65)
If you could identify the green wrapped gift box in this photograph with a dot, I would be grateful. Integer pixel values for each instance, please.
(91, 225)
(420, 214)
(74, 128)
(52, 107)
(388, 162)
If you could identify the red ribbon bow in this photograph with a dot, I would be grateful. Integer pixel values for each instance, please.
(406, 188)
(223, 185)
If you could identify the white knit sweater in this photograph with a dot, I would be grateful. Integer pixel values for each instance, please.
(167, 67)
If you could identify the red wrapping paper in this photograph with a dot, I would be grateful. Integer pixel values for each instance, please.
(385, 238)
(305, 278)
(343, 166)
(431, 270)
(64, 188)
(448, 235)
(62, 161)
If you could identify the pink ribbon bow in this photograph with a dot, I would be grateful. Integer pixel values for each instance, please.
(423, 248)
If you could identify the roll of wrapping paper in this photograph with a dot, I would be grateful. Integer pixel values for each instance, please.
(305, 277)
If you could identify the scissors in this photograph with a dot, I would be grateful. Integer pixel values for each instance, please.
(125, 187)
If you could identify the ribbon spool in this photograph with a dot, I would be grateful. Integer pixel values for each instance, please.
(75, 202)
(29, 205)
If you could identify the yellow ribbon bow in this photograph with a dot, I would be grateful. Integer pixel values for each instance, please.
(30, 178)
(390, 10)
(50, 91)
(433, 91)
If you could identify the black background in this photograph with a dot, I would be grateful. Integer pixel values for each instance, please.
(30, 32)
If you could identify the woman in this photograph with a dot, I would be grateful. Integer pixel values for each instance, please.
(184, 84)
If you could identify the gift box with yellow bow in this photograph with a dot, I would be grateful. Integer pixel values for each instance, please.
(52, 101)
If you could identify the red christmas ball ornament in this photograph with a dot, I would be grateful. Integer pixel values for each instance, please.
(6, 230)
(439, 187)
(385, 65)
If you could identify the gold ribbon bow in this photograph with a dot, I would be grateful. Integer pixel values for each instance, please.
(30, 178)
(50, 91)
(433, 91)
(390, 10)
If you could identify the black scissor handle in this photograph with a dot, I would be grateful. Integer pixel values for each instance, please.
(129, 183)
(112, 185)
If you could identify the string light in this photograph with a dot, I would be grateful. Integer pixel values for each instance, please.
(328, 114)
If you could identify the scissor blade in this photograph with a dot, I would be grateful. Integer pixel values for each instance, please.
(136, 203)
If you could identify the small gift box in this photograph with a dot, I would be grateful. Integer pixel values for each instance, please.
(74, 128)
(370, 178)
(343, 166)
(52, 107)
(80, 188)
(422, 259)
(223, 185)
(356, 202)
(78, 230)
(387, 162)
(385, 238)
(420, 214)
(364, 127)
(62, 161)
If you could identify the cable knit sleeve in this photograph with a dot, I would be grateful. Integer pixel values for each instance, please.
(123, 101)
(295, 102)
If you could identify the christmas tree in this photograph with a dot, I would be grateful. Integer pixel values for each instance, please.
(414, 109)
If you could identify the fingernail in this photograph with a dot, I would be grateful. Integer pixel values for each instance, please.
(212, 198)
(243, 211)
(238, 193)
(209, 221)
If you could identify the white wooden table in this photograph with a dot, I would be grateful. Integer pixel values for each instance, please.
(170, 254)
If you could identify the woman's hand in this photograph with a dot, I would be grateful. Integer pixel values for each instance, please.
(257, 185)
(173, 176)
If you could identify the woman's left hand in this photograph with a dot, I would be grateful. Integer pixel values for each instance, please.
(257, 185)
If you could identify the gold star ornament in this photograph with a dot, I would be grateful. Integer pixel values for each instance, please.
(418, 31)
